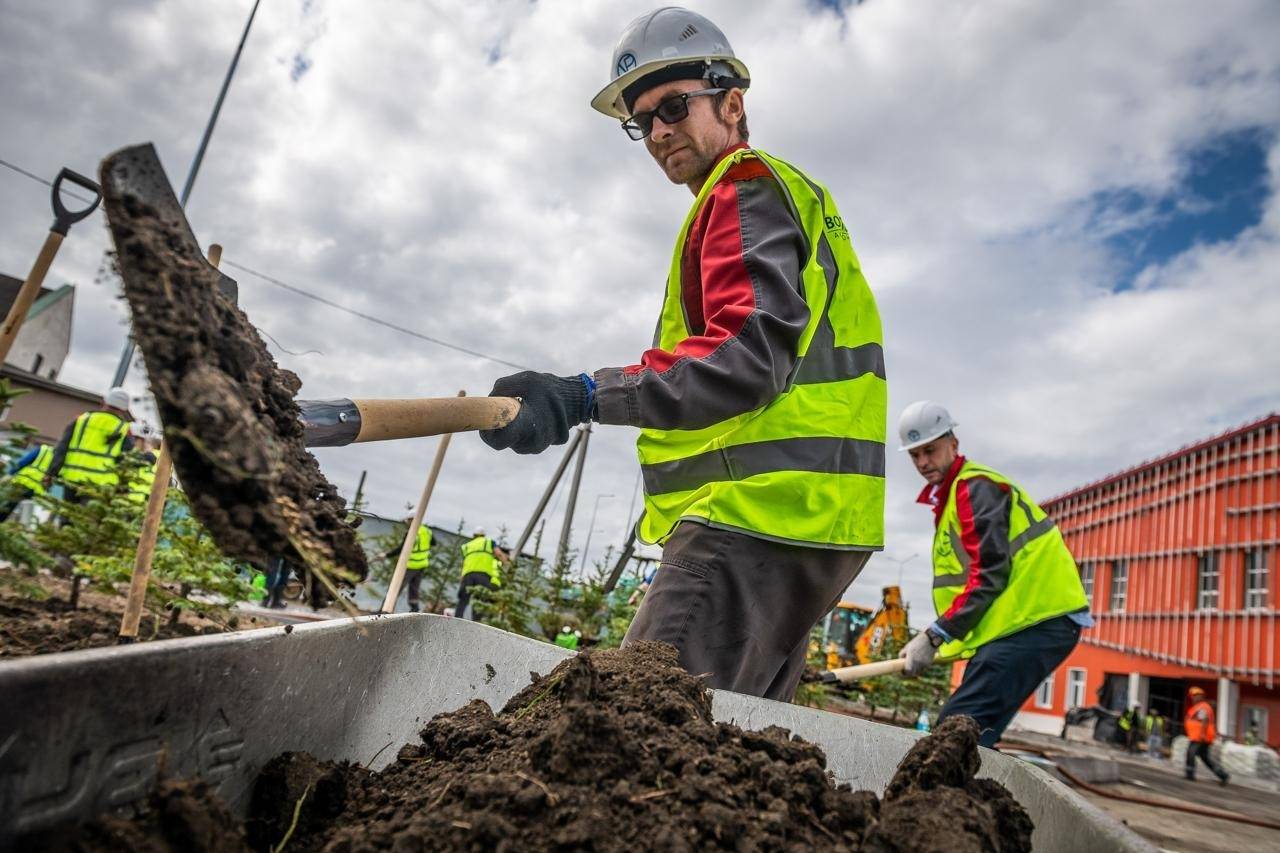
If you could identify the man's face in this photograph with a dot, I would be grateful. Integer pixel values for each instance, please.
(686, 151)
(934, 459)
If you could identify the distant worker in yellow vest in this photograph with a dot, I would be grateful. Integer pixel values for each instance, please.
(481, 566)
(1006, 589)
(26, 478)
(92, 444)
(419, 559)
(761, 402)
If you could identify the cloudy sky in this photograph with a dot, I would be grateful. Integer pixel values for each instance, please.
(1066, 210)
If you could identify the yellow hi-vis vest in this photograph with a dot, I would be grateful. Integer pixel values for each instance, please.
(421, 553)
(808, 467)
(97, 439)
(1044, 581)
(31, 475)
(143, 480)
(477, 556)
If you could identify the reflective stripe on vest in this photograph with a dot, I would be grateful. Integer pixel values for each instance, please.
(97, 439)
(31, 475)
(808, 467)
(420, 556)
(477, 556)
(1044, 581)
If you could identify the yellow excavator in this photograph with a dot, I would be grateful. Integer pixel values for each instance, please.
(853, 634)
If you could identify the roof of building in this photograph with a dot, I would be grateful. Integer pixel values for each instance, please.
(1195, 447)
(24, 377)
(9, 287)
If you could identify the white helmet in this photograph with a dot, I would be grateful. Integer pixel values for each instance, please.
(922, 422)
(117, 398)
(668, 44)
(477, 531)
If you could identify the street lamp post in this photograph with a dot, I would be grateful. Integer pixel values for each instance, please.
(901, 564)
(583, 563)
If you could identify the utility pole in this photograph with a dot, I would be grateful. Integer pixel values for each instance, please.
(567, 529)
(546, 495)
(126, 357)
(355, 502)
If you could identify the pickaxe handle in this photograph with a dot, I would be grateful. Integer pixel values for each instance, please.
(333, 423)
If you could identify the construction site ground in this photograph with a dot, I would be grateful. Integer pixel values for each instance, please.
(1161, 780)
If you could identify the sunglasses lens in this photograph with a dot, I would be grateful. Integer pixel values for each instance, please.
(638, 126)
(672, 111)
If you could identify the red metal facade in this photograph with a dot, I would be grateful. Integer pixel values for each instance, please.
(1179, 556)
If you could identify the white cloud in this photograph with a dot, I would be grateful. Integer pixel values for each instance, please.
(406, 175)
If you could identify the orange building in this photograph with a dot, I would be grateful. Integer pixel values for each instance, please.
(1178, 557)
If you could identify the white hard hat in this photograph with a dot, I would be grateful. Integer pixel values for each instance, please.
(922, 422)
(117, 398)
(478, 531)
(667, 44)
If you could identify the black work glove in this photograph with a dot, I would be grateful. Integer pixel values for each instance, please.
(549, 407)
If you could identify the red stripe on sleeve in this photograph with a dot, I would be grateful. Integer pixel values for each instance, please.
(716, 287)
(969, 539)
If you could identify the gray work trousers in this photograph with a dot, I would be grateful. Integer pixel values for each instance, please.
(739, 609)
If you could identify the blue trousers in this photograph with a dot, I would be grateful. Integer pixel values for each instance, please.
(1004, 672)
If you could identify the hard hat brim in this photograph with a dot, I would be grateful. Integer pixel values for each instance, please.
(608, 100)
(925, 441)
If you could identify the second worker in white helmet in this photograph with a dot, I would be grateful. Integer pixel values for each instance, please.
(1005, 588)
(761, 402)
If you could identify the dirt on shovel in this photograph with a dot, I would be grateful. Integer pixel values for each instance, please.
(615, 750)
(228, 410)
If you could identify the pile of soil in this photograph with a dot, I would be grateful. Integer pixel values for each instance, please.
(31, 627)
(228, 410)
(614, 750)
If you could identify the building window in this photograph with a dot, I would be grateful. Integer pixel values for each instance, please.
(1075, 688)
(1044, 693)
(1087, 574)
(1119, 585)
(1253, 724)
(1256, 582)
(1207, 582)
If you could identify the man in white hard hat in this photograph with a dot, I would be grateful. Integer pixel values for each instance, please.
(92, 444)
(1006, 589)
(761, 403)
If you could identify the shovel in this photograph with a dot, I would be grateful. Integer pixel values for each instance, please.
(63, 219)
(237, 436)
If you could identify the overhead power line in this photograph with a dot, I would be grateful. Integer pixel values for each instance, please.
(372, 319)
(306, 294)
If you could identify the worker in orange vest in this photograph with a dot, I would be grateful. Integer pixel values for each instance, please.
(1200, 735)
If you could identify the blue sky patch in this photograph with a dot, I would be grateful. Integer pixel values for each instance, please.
(1222, 191)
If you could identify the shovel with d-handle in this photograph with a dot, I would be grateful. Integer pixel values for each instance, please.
(63, 219)
(236, 435)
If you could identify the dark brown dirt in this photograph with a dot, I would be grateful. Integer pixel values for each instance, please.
(617, 750)
(228, 410)
(30, 627)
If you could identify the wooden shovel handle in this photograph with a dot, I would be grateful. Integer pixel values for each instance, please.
(384, 420)
(867, 670)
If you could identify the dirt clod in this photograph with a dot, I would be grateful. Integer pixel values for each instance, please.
(617, 750)
(230, 420)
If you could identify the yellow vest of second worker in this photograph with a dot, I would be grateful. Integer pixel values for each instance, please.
(807, 467)
(1043, 580)
(144, 479)
(477, 556)
(420, 556)
(97, 440)
(31, 475)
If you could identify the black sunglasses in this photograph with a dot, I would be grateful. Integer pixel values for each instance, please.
(672, 110)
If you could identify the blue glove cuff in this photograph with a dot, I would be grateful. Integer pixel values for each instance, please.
(589, 409)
